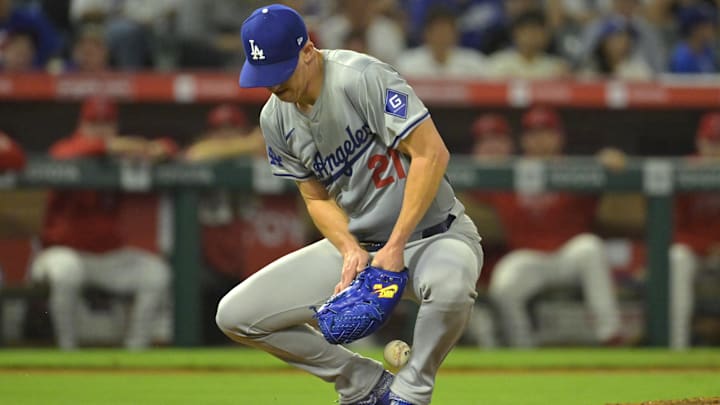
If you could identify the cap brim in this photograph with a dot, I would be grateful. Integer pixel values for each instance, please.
(267, 75)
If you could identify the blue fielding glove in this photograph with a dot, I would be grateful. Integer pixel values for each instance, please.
(363, 307)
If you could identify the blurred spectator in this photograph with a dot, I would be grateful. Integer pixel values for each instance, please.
(90, 52)
(11, 155)
(562, 13)
(696, 53)
(549, 235)
(493, 139)
(30, 21)
(208, 31)
(528, 59)
(697, 236)
(205, 33)
(648, 41)
(81, 237)
(19, 50)
(384, 37)
(500, 37)
(356, 40)
(615, 54)
(440, 56)
(478, 20)
(665, 14)
(133, 27)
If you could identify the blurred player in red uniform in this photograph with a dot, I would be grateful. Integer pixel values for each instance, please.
(242, 232)
(11, 156)
(493, 142)
(549, 235)
(697, 235)
(83, 245)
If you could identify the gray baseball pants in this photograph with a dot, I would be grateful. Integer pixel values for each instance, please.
(271, 311)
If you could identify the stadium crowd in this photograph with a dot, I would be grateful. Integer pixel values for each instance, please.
(626, 39)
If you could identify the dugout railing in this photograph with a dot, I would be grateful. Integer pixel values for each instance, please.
(658, 179)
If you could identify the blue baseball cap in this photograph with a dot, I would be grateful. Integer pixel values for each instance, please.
(272, 38)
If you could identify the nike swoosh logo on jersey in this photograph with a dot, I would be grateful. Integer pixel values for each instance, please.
(289, 134)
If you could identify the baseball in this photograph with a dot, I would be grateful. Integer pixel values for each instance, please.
(396, 353)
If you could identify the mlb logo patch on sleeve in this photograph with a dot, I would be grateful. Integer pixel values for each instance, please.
(396, 103)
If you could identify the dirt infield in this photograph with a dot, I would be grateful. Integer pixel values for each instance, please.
(686, 401)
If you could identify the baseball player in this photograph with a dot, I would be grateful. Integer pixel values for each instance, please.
(369, 164)
(82, 241)
(551, 244)
(697, 237)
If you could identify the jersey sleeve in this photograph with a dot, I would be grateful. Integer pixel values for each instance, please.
(282, 161)
(391, 106)
(77, 147)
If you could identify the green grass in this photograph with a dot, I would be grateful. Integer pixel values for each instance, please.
(243, 376)
(470, 358)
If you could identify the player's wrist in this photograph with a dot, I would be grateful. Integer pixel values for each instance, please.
(396, 243)
(349, 247)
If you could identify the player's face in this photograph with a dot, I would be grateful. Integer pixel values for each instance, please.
(531, 38)
(99, 129)
(288, 90)
(542, 143)
(441, 35)
(497, 146)
(617, 46)
(19, 54)
(90, 55)
(294, 88)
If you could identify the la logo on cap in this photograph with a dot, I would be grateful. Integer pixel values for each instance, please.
(255, 51)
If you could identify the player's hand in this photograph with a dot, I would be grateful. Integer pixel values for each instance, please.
(390, 258)
(204, 150)
(354, 261)
(128, 146)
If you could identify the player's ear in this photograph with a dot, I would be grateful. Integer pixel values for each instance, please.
(306, 53)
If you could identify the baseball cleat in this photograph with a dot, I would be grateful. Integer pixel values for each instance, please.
(380, 393)
(396, 400)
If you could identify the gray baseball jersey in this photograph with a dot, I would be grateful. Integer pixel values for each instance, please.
(348, 142)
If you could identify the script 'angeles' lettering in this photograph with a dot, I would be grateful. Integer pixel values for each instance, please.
(341, 159)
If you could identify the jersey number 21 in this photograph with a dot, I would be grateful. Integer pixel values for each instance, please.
(379, 164)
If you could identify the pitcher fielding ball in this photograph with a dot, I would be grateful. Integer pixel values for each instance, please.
(370, 166)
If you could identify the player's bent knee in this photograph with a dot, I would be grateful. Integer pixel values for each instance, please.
(156, 274)
(505, 283)
(451, 289)
(233, 319)
(58, 265)
(588, 246)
